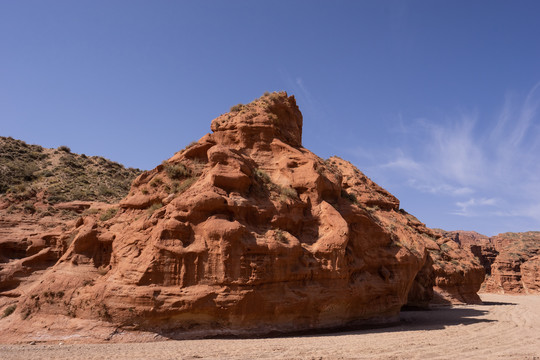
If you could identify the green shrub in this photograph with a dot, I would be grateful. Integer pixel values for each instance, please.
(237, 107)
(154, 207)
(191, 144)
(260, 175)
(64, 148)
(279, 236)
(176, 171)
(349, 196)
(289, 192)
(9, 310)
(156, 182)
(109, 214)
(184, 185)
(29, 208)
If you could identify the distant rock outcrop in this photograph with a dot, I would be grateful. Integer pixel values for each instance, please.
(510, 259)
(515, 269)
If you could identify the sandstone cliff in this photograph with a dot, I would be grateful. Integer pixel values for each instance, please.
(515, 269)
(244, 232)
(510, 259)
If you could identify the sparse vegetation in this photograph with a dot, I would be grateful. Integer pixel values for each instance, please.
(262, 176)
(349, 196)
(91, 212)
(154, 207)
(26, 170)
(9, 310)
(29, 208)
(156, 182)
(191, 144)
(176, 171)
(108, 214)
(285, 192)
(184, 185)
(237, 107)
(288, 192)
(279, 236)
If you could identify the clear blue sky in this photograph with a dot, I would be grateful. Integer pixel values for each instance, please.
(437, 101)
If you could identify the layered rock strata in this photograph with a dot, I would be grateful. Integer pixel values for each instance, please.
(510, 259)
(515, 269)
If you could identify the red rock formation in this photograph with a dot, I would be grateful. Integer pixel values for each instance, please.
(30, 244)
(514, 269)
(243, 232)
(458, 273)
(530, 278)
(477, 244)
(509, 259)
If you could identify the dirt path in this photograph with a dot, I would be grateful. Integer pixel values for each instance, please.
(505, 327)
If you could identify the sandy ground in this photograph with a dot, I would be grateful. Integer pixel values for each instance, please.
(505, 327)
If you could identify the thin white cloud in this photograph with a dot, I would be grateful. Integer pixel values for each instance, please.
(403, 163)
(496, 159)
(472, 206)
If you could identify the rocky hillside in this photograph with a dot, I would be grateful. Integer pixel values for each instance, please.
(244, 232)
(42, 193)
(33, 173)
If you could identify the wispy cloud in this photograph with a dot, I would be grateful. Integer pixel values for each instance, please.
(471, 206)
(495, 158)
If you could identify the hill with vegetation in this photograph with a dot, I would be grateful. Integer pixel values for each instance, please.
(58, 175)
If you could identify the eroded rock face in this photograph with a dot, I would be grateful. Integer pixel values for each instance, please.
(458, 273)
(514, 270)
(31, 243)
(509, 259)
(244, 232)
(477, 244)
(530, 279)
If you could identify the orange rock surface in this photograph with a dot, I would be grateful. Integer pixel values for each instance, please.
(510, 259)
(458, 272)
(515, 269)
(244, 232)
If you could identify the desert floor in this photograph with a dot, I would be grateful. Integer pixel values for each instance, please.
(504, 327)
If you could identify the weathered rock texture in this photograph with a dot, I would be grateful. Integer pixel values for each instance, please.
(458, 273)
(515, 269)
(243, 232)
(30, 244)
(37, 211)
(510, 259)
(477, 244)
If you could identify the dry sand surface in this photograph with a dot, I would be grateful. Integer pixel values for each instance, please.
(504, 327)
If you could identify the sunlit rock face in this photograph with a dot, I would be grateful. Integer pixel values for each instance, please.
(243, 232)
